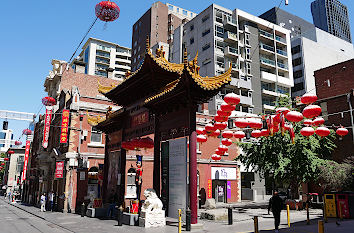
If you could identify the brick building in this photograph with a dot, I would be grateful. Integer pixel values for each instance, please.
(335, 91)
(83, 153)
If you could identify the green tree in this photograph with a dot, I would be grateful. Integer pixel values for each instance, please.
(288, 162)
(2, 171)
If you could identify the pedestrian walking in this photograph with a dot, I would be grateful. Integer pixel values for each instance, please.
(276, 205)
(51, 199)
(43, 201)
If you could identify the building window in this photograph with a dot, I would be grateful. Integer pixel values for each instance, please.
(247, 39)
(177, 10)
(295, 50)
(283, 90)
(298, 74)
(248, 68)
(298, 87)
(219, 31)
(191, 40)
(205, 47)
(205, 18)
(248, 53)
(206, 32)
(206, 61)
(185, 12)
(297, 62)
(96, 136)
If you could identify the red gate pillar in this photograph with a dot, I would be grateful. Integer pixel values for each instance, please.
(193, 170)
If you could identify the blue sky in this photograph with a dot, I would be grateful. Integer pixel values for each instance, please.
(35, 32)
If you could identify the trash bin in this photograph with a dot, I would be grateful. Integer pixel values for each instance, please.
(330, 203)
(342, 205)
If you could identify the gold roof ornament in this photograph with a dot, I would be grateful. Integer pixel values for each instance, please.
(104, 89)
(94, 120)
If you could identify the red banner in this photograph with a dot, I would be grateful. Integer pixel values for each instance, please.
(48, 117)
(59, 169)
(210, 189)
(64, 126)
(25, 163)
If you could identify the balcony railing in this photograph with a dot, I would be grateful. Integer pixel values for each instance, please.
(232, 50)
(282, 52)
(267, 61)
(266, 47)
(268, 102)
(267, 34)
(230, 20)
(282, 65)
(230, 35)
(102, 54)
(281, 39)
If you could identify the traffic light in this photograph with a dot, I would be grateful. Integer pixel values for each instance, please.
(5, 125)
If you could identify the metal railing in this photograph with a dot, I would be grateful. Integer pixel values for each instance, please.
(281, 39)
(229, 19)
(267, 34)
(267, 61)
(232, 50)
(266, 47)
(282, 65)
(230, 35)
(282, 52)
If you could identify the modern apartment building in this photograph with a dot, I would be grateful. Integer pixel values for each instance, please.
(258, 51)
(99, 55)
(312, 49)
(6, 137)
(157, 23)
(332, 16)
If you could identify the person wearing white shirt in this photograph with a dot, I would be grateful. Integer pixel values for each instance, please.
(43, 201)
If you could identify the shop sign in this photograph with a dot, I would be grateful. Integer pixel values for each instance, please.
(64, 126)
(177, 177)
(140, 119)
(223, 173)
(210, 189)
(28, 145)
(59, 169)
(48, 117)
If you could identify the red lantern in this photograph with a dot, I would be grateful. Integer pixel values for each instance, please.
(239, 134)
(256, 133)
(215, 134)
(322, 131)
(312, 111)
(287, 127)
(18, 143)
(220, 118)
(201, 138)
(241, 123)
(307, 131)
(128, 145)
(226, 142)
(27, 132)
(276, 118)
(107, 11)
(1, 168)
(218, 152)
(223, 113)
(308, 122)
(209, 128)
(11, 152)
(146, 143)
(227, 134)
(294, 116)
(48, 101)
(264, 133)
(2, 164)
(227, 107)
(6, 159)
(308, 98)
(342, 131)
(255, 123)
(220, 125)
(283, 110)
(216, 157)
(223, 148)
(232, 99)
(200, 131)
(318, 121)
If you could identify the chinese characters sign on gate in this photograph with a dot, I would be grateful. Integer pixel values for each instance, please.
(210, 191)
(140, 119)
(59, 169)
(28, 144)
(64, 126)
(48, 117)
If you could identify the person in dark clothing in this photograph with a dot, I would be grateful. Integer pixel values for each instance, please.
(276, 205)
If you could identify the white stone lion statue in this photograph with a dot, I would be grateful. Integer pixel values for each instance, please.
(152, 202)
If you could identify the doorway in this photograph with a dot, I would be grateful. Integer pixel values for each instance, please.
(219, 190)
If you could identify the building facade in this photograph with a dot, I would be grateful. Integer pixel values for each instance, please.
(6, 137)
(99, 55)
(335, 91)
(259, 52)
(157, 23)
(332, 16)
(14, 172)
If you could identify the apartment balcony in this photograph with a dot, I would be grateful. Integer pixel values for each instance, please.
(122, 66)
(103, 54)
(234, 68)
(123, 60)
(282, 66)
(230, 37)
(230, 22)
(102, 61)
(266, 48)
(268, 107)
(282, 53)
(267, 62)
(280, 39)
(268, 77)
(246, 100)
(219, 51)
(270, 92)
(266, 34)
(231, 52)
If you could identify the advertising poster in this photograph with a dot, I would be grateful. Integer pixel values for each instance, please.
(25, 162)
(59, 169)
(64, 126)
(177, 177)
(47, 120)
(210, 189)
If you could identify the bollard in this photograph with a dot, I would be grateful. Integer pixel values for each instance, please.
(229, 215)
(179, 220)
(340, 212)
(120, 216)
(308, 214)
(188, 220)
(83, 209)
(288, 214)
(255, 224)
(320, 226)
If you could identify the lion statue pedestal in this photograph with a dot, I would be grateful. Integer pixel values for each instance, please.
(152, 214)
